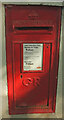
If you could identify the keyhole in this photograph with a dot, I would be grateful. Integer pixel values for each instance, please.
(21, 76)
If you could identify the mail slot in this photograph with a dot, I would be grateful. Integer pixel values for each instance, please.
(32, 55)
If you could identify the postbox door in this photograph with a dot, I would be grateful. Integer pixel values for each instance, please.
(31, 68)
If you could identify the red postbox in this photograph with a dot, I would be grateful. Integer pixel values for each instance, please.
(32, 51)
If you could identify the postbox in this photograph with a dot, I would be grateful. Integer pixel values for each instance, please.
(32, 55)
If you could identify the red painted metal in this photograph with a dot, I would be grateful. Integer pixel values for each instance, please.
(32, 91)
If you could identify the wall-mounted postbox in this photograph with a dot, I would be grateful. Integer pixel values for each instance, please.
(32, 50)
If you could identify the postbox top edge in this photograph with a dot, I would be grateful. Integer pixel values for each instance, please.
(54, 4)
